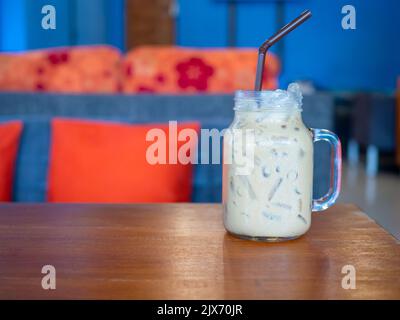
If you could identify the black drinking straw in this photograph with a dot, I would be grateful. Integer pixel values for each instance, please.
(262, 51)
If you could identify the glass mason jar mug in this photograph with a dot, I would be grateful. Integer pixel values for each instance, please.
(268, 167)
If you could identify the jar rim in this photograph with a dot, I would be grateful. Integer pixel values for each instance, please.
(273, 100)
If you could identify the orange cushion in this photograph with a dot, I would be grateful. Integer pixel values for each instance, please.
(106, 162)
(169, 69)
(10, 133)
(92, 69)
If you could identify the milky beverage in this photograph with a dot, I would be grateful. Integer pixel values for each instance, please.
(272, 200)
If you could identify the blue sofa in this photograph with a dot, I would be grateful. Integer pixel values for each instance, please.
(212, 111)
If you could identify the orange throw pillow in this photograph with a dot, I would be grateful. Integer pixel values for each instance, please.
(177, 70)
(106, 162)
(81, 69)
(10, 133)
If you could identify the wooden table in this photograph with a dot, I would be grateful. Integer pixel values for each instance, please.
(181, 251)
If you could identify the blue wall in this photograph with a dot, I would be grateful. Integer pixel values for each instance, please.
(201, 23)
(78, 22)
(367, 58)
(12, 25)
(36, 36)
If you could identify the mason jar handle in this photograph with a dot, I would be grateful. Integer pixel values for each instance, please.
(335, 169)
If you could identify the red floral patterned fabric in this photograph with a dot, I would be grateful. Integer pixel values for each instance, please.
(77, 69)
(149, 69)
(185, 70)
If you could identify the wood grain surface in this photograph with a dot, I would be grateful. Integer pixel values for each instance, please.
(181, 251)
